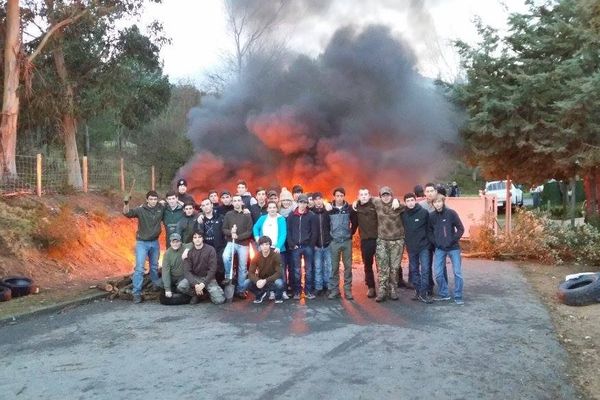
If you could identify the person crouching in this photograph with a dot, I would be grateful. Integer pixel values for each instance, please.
(265, 273)
(200, 266)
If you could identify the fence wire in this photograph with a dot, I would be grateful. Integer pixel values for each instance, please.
(104, 173)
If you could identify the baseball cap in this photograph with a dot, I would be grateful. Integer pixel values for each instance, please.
(385, 190)
(302, 198)
(175, 236)
(272, 193)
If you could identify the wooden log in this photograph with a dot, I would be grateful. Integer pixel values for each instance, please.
(126, 281)
(107, 287)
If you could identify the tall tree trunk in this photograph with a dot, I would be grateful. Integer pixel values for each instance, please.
(68, 120)
(590, 182)
(10, 98)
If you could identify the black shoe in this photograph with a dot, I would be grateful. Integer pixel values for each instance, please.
(195, 299)
(371, 293)
(260, 298)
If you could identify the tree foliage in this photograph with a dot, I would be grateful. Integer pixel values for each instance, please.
(531, 95)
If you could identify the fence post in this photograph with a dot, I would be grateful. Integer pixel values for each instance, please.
(122, 175)
(153, 179)
(85, 174)
(38, 170)
(508, 207)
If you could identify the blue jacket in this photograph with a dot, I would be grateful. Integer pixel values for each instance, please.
(257, 230)
(445, 229)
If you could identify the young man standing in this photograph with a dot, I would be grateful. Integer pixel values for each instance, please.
(172, 268)
(415, 219)
(182, 194)
(242, 191)
(343, 226)
(173, 213)
(445, 231)
(260, 208)
(367, 228)
(210, 224)
(150, 216)
(185, 226)
(390, 242)
(322, 256)
(301, 241)
(237, 226)
(427, 203)
(265, 273)
(199, 268)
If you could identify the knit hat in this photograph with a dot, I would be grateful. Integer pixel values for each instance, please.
(181, 182)
(285, 195)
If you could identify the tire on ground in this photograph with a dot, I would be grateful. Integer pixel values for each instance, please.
(176, 299)
(5, 293)
(19, 285)
(581, 291)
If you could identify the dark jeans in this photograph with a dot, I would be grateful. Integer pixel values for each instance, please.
(276, 286)
(418, 267)
(367, 251)
(307, 252)
(288, 269)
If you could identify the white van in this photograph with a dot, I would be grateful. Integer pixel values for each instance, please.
(498, 189)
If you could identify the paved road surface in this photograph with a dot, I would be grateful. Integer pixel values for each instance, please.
(500, 345)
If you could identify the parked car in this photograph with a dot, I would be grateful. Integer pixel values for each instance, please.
(498, 189)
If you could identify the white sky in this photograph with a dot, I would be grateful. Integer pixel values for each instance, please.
(198, 30)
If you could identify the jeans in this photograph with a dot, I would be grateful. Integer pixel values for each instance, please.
(276, 286)
(307, 252)
(143, 249)
(431, 271)
(242, 253)
(284, 257)
(288, 269)
(440, 267)
(367, 251)
(418, 270)
(322, 262)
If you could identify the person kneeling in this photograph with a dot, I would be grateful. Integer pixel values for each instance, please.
(200, 266)
(172, 267)
(265, 273)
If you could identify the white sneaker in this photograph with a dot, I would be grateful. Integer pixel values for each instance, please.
(285, 295)
(272, 295)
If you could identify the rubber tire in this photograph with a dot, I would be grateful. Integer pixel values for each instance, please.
(19, 285)
(5, 293)
(581, 291)
(177, 299)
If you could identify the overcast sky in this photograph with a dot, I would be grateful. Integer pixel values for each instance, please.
(198, 30)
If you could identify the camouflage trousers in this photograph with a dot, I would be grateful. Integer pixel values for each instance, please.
(388, 255)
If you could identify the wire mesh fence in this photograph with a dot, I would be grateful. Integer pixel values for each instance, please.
(44, 175)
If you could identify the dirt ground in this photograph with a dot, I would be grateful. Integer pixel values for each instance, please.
(578, 328)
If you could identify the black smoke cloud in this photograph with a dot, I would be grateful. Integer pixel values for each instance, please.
(358, 114)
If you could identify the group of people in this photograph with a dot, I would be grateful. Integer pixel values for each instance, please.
(302, 242)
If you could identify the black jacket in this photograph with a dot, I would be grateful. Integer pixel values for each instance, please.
(300, 229)
(445, 229)
(212, 231)
(256, 211)
(185, 227)
(322, 227)
(415, 223)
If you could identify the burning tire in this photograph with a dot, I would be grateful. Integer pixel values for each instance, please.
(5, 293)
(176, 299)
(19, 285)
(580, 291)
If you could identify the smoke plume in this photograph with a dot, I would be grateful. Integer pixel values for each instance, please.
(357, 115)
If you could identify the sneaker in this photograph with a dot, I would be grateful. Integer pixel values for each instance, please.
(297, 296)
(137, 298)
(278, 301)
(460, 302)
(380, 298)
(272, 295)
(226, 282)
(260, 298)
(441, 298)
(285, 296)
(333, 295)
(394, 295)
(309, 296)
(415, 297)
(425, 299)
(371, 293)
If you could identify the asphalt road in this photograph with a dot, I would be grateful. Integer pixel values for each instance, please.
(500, 345)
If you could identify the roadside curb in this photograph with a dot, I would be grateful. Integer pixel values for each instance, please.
(53, 309)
